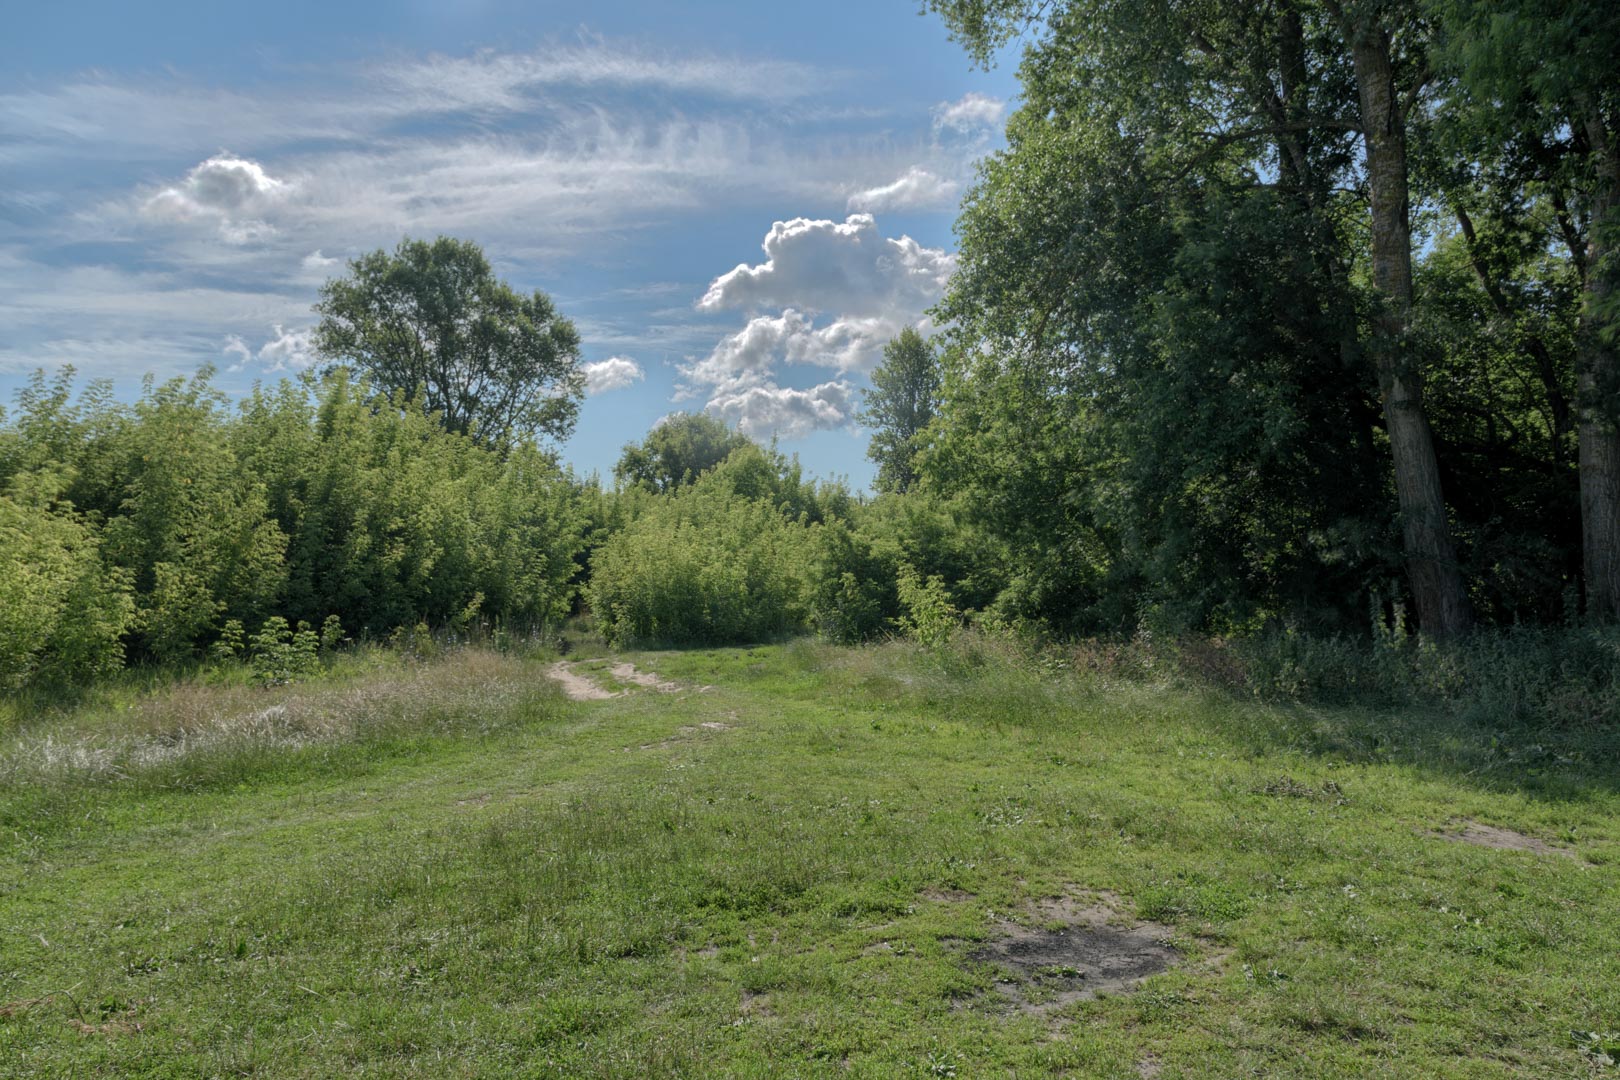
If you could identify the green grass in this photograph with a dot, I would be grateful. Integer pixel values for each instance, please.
(452, 871)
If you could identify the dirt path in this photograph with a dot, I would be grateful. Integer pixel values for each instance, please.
(580, 688)
(577, 687)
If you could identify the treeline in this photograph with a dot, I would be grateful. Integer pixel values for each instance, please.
(1271, 314)
(176, 525)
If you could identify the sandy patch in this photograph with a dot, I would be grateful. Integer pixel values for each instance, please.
(627, 673)
(1495, 836)
(577, 687)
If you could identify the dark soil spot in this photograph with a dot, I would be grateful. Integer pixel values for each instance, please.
(1087, 954)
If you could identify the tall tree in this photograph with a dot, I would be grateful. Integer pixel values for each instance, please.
(1204, 90)
(904, 395)
(1541, 76)
(1390, 75)
(433, 318)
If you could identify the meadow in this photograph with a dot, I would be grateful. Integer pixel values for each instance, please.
(796, 859)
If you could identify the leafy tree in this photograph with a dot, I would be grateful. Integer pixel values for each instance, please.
(62, 610)
(1536, 84)
(905, 392)
(491, 362)
(1146, 123)
(678, 451)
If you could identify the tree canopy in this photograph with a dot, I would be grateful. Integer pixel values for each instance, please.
(432, 318)
(677, 451)
(905, 393)
(1263, 305)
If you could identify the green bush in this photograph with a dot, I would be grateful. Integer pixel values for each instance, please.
(163, 527)
(704, 565)
(62, 611)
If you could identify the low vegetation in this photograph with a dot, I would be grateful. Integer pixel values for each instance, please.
(798, 859)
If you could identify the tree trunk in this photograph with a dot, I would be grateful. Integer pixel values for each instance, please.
(1431, 560)
(1597, 385)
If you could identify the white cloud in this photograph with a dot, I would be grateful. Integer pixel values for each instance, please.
(155, 118)
(971, 112)
(764, 411)
(614, 373)
(231, 192)
(843, 291)
(826, 266)
(490, 80)
(316, 263)
(748, 357)
(224, 186)
(286, 350)
(917, 189)
(752, 355)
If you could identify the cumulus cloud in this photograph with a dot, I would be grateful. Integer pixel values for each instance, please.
(750, 356)
(917, 189)
(222, 186)
(971, 112)
(842, 290)
(232, 192)
(764, 411)
(827, 266)
(286, 350)
(614, 373)
(316, 263)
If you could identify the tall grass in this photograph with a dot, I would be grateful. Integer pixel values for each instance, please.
(200, 730)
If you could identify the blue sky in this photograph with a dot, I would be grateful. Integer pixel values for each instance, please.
(737, 203)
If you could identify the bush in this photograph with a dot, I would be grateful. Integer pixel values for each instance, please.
(703, 565)
(62, 611)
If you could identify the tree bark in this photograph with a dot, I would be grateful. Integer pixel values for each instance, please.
(1597, 376)
(1431, 560)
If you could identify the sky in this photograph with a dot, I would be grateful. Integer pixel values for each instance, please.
(737, 204)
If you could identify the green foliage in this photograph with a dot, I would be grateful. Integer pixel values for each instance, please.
(851, 588)
(163, 527)
(927, 612)
(279, 654)
(680, 449)
(432, 317)
(904, 396)
(62, 610)
(1160, 396)
(715, 561)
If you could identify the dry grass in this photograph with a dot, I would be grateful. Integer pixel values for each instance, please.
(464, 688)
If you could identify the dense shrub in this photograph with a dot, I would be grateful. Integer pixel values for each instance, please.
(162, 527)
(705, 564)
(62, 611)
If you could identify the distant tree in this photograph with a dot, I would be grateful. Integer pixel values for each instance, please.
(677, 452)
(433, 317)
(904, 395)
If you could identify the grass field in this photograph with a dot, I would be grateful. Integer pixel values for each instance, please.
(797, 861)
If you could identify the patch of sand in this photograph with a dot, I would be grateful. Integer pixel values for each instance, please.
(577, 687)
(1501, 839)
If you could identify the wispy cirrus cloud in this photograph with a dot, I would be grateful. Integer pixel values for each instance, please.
(917, 189)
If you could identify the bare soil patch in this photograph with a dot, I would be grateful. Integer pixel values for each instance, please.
(1501, 839)
(1080, 947)
(580, 687)
(627, 673)
(577, 687)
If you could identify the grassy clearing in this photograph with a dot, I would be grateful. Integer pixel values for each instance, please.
(450, 870)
